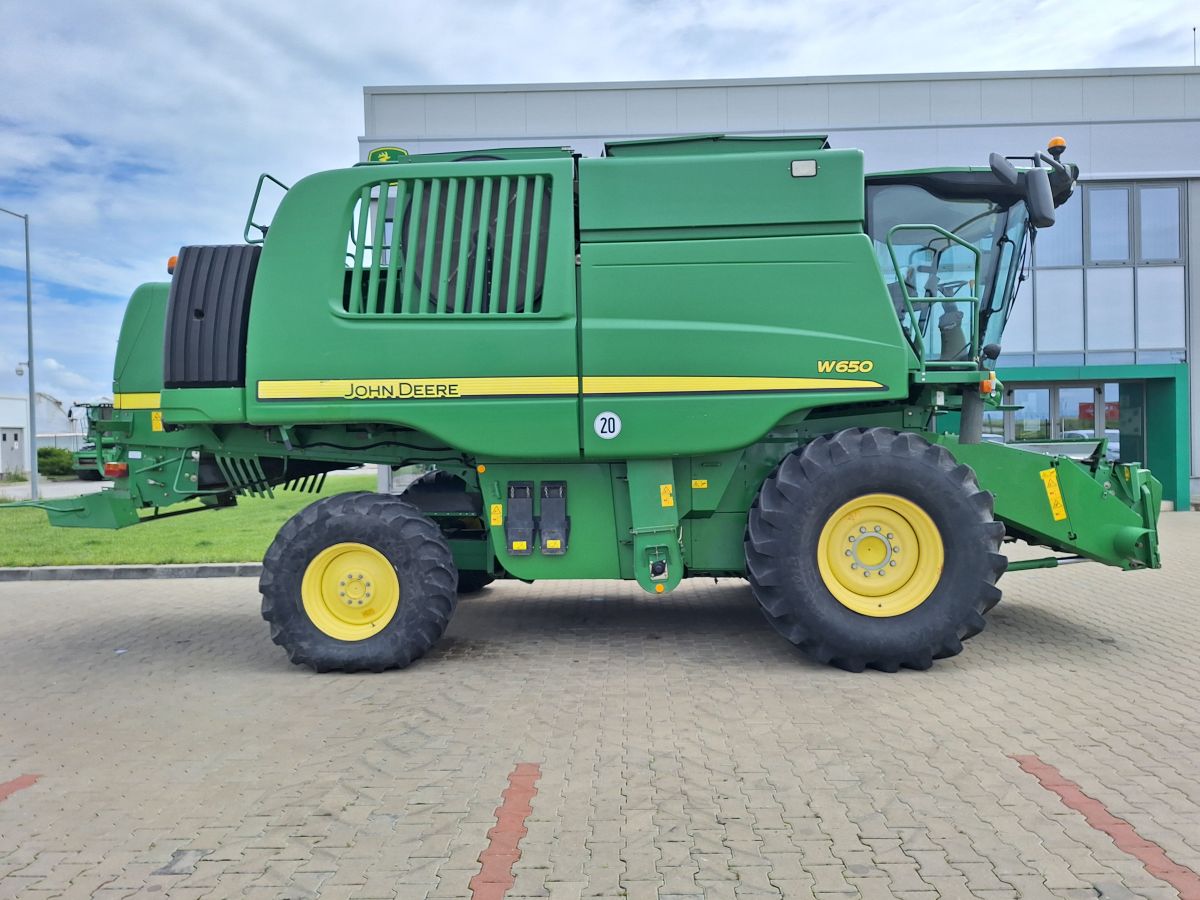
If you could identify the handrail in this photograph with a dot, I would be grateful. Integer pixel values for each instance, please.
(250, 223)
(919, 339)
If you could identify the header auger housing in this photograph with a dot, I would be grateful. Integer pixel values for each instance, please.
(713, 356)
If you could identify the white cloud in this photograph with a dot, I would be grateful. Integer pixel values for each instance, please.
(74, 344)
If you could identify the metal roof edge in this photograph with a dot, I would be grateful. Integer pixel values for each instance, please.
(374, 90)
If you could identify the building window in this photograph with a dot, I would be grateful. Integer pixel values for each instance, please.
(1032, 420)
(1059, 324)
(1109, 284)
(1110, 318)
(1062, 245)
(1161, 310)
(1159, 221)
(1108, 224)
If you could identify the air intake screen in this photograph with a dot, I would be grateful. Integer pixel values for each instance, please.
(451, 246)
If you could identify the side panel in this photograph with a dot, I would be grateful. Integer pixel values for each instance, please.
(138, 366)
(592, 550)
(408, 318)
(701, 346)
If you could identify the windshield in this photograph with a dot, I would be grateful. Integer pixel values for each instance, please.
(933, 266)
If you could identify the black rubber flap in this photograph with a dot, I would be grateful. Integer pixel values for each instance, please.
(518, 522)
(207, 312)
(554, 526)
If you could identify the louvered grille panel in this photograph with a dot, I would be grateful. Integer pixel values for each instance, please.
(465, 246)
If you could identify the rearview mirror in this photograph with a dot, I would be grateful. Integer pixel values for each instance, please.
(1039, 198)
(1003, 169)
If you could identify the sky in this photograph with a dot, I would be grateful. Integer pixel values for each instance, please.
(129, 128)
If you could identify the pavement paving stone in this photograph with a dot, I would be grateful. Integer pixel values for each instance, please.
(686, 751)
(753, 879)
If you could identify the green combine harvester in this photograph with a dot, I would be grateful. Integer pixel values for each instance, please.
(707, 356)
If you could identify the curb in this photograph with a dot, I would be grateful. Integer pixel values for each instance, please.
(107, 573)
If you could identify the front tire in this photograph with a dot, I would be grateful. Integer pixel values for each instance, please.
(358, 582)
(874, 548)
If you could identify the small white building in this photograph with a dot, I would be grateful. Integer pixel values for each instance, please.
(14, 421)
(58, 425)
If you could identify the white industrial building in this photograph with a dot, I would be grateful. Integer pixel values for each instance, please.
(58, 425)
(1104, 329)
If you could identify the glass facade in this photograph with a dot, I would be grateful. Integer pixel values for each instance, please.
(1108, 284)
(1075, 411)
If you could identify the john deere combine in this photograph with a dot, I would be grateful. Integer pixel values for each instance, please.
(709, 356)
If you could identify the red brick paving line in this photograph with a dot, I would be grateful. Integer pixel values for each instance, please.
(8, 788)
(1148, 853)
(495, 870)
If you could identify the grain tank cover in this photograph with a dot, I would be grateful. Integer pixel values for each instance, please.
(791, 185)
(715, 143)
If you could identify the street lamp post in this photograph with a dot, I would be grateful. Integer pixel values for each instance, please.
(33, 468)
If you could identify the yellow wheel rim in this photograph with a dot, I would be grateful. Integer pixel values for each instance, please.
(880, 555)
(350, 591)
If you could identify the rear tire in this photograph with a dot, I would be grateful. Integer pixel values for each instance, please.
(358, 582)
(841, 510)
(458, 510)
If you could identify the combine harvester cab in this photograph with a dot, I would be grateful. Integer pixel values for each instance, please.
(709, 356)
(979, 224)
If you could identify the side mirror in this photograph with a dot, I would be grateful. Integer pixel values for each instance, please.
(1039, 198)
(1003, 169)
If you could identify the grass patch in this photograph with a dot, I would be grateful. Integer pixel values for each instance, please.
(239, 534)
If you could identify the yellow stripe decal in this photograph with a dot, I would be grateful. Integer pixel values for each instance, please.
(719, 384)
(417, 388)
(544, 386)
(136, 401)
